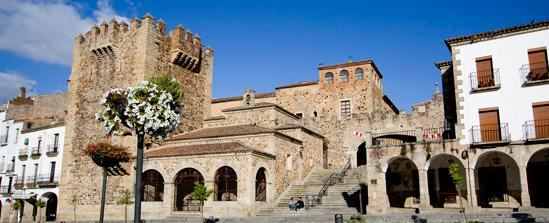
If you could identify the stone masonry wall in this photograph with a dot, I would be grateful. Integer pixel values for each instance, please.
(116, 55)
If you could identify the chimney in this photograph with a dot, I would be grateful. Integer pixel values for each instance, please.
(22, 92)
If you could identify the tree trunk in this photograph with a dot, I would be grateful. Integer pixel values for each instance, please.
(39, 215)
(125, 213)
(202, 210)
(138, 173)
(74, 214)
(103, 194)
(461, 204)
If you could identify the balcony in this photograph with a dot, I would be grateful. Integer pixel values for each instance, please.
(52, 150)
(3, 140)
(23, 154)
(31, 182)
(536, 130)
(4, 190)
(485, 80)
(492, 134)
(48, 180)
(534, 74)
(410, 136)
(19, 184)
(35, 152)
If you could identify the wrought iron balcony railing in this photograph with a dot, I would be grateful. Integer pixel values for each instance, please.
(35, 152)
(491, 133)
(31, 182)
(19, 183)
(52, 150)
(436, 134)
(484, 79)
(3, 140)
(4, 189)
(47, 180)
(534, 72)
(536, 129)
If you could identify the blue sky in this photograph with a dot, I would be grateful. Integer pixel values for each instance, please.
(263, 44)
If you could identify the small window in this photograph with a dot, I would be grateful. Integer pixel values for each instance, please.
(484, 74)
(329, 78)
(300, 115)
(344, 76)
(346, 109)
(359, 74)
(537, 60)
(56, 141)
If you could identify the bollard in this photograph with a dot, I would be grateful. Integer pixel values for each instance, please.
(338, 218)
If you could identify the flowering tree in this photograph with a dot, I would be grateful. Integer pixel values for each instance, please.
(149, 109)
(106, 155)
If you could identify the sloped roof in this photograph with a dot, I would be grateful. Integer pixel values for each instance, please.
(202, 149)
(236, 130)
(238, 98)
(298, 84)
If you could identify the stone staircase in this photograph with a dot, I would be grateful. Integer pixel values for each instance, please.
(341, 198)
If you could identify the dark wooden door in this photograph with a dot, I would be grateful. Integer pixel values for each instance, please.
(489, 125)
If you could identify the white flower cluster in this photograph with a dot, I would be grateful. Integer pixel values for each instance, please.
(140, 108)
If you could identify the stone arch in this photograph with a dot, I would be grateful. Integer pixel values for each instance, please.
(184, 186)
(361, 155)
(442, 191)
(226, 184)
(261, 184)
(152, 186)
(181, 165)
(498, 180)
(402, 182)
(536, 171)
(51, 205)
(157, 168)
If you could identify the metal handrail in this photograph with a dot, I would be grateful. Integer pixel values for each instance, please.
(534, 72)
(334, 178)
(484, 79)
(536, 129)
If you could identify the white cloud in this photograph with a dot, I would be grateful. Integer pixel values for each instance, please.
(10, 84)
(44, 30)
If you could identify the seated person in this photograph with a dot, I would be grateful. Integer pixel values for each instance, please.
(299, 204)
(292, 204)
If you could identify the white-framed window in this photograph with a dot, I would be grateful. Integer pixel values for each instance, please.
(329, 78)
(344, 76)
(345, 108)
(359, 74)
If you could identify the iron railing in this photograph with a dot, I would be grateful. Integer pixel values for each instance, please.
(334, 178)
(19, 183)
(536, 129)
(490, 133)
(45, 180)
(484, 79)
(10, 168)
(51, 150)
(392, 138)
(31, 182)
(35, 151)
(436, 134)
(23, 152)
(534, 72)
(4, 189)
(3, 140)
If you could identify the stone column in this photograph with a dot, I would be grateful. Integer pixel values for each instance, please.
(525, 194)
(378, 201)
(471, 188)
(424, 200)
(169, 197)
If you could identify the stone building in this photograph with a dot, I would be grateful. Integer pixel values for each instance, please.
(254, 149)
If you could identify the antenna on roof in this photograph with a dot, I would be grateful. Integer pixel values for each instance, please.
(350, 59)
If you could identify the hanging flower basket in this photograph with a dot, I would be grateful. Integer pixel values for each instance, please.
(105, 154)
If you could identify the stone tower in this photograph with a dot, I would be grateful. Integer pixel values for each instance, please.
(118, 55)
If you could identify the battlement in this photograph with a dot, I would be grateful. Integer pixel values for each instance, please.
(186, 48)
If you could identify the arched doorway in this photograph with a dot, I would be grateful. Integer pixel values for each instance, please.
(442, 190)
(184, 186)
(402, 181)
(538, 183)
(51, 206)
(153, 186)
(361, 158)
(261, 185)
(498, 180)
(225, 184)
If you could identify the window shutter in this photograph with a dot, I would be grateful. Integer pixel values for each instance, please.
(485, 75)
(489, 125)
(541, 120)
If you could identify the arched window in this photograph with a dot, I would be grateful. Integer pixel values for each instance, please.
(153, 186)
(184, 186)
(329, 78)
(261, 185)
(344, 76)
(359, 74)
(225, 184)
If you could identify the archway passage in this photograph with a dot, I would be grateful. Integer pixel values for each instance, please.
(184, 186)
(153, 186)
(225, 184)
(51, 206)
(402, 183)
(361, 155)
(261, 185)
(442, 190)
(538, 182)
(498, 180)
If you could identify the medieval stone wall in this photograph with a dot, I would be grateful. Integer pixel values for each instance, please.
(118, 55)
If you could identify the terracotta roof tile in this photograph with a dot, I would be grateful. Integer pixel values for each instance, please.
(226, 131)
(201, 149)
(497, 33)
(298, 84)
(238, 98)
